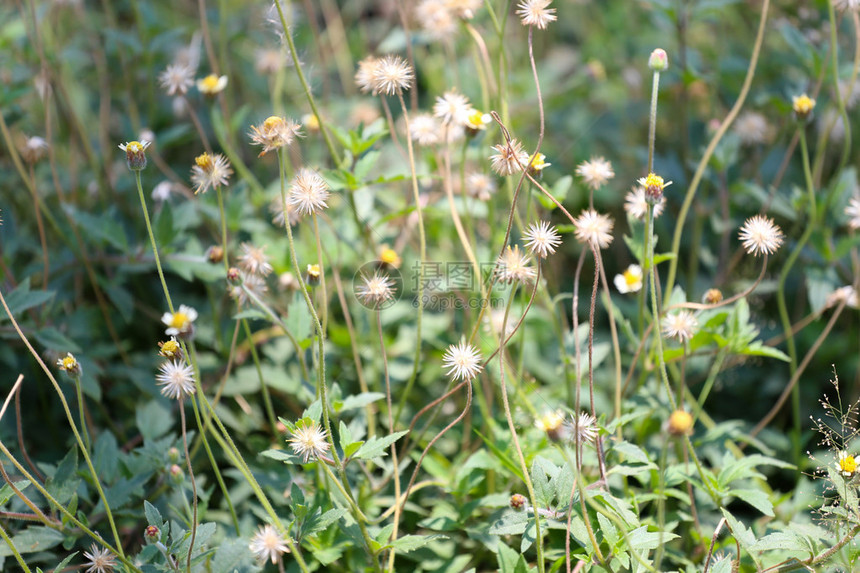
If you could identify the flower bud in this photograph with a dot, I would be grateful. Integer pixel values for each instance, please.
(803, 106)
(519, 502)
(135, 156)
(151, 534)
(215, 254)
(173, 455)
(177, 476)
(680, 423)
(233, 275)
(312, 277)
(659, 61)
(713, 296)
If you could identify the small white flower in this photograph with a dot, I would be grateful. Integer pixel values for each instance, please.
(636, 204)
(364, 74)
(181, 322)
(308, 441)
(210, 171)
(267, 544)
(177, 79)
(536, 13)
(509, 159)
(375, 290)
(176, 379)
(254, 260)
(99, 560)
(542, 239)
(425, 130)
(462, 361)
(513, 266)
(593, 228)
(583, 424)
(760, 235)
(308, 192)
(595, 172)
(480, 185)
(681, 325)
(391, 75)
(551, 423)
(212, 84)
(630, 280)
(452, 108)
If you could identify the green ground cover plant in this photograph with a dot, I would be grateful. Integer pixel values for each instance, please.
(429, 285)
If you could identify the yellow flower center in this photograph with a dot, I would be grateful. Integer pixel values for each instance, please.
(389, 256)
(314, 271)
(209, 83)
(550, 422)
(134, 147)
(170, 348)
(180, 319)
(69, 363)
(476, 119)
(654, 180)
(848, 464)
(803, 104)
(538, 162)
(204, 161)
(311, 122)
(680, 422)
(272, 122)
(631, 278)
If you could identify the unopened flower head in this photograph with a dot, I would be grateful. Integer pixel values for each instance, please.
(584, 426)
(69, 365)
(254, 260)
(853, 212)
(595, 172)
(509, 159)
(760, 236)
(308, 440)
(802, 105)
(181, 322)
(210, 171)
(653, 185)
(713, 296)
(267, 544)
(99, 560)
(375, 290)
(212, 85)
(636, 203)
(680, 423)
(681, 326)
(519, 502)
(170, 349)
(593, 228)
(176, 379)
(313, 275)
(630, 280)
(453, 108)
(308, 192)
(513, 266)
(391, 75)
(536, 13)
(135, 156)
(658, 61)
(462, 361)
(275, 132)
(425, 130)
(480, 185)
(551, 423)
(542, 239)
(177, 79)
(846, 465)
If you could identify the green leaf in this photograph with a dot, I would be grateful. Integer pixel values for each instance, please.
(7, 493)
(153, 420)
(409, 543)
(744, 536)
(320, 521)
(511, 523)
(32, 540)
(153, 516)
(53, 339)
(756, 498)
(357, 401)
(757, 348)
(505, 459)
(375, 447)
(233, 556)
(510, 561)
(282, 456)
(22, 298)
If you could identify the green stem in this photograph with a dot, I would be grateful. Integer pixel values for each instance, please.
(152, 241)
(655, 311)
(84, 430)
(652, 121)
(14, 551)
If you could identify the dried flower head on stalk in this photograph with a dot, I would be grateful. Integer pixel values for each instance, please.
(462, 361)
(275, 132)
(99, 559)
(210, 171)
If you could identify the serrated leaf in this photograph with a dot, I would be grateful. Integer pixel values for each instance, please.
(320, 521)
(153, 516)
(375, 447)
(22, 298)
(32, 540)
(756, 498)
(511, 523)
(358, 401)
(409, 543)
